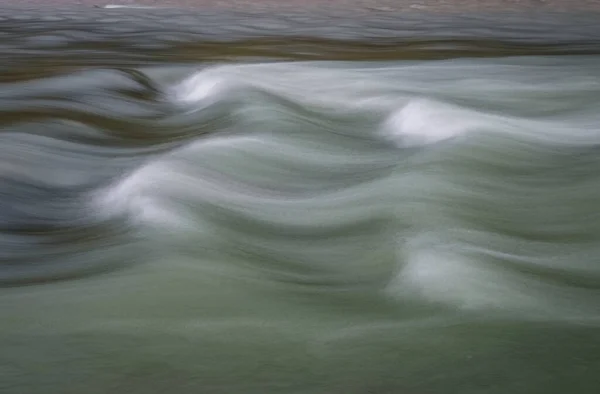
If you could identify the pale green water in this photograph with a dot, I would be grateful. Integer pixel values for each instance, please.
(174, 222)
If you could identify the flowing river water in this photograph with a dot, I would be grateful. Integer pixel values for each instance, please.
(228, 202)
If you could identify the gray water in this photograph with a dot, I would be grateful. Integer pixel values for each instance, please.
(234, 203)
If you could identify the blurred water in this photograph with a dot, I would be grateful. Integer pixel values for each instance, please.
(363, 215)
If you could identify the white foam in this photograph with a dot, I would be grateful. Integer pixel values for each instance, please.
(137, 196)
(424, 122)
(443, 272)
(199, 87)
(442, 276)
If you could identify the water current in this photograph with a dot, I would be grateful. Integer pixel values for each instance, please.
(229, 202)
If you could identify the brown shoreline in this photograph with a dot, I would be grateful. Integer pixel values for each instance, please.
(335, 5)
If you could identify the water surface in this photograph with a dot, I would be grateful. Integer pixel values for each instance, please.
(230, 202)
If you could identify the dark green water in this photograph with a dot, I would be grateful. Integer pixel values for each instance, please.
(239, 203)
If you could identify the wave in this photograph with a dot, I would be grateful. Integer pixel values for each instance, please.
(364, 183)
(367, 222)
(345, 226)
(469, 186)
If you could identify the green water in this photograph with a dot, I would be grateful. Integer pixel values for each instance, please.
(221, 203)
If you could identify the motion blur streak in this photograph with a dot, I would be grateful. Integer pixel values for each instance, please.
(327, 223)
